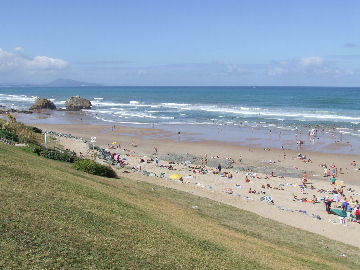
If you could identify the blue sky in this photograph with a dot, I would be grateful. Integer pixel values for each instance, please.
(184, 42)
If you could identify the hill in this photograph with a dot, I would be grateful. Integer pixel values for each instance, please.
(54, 217)
(68, 83)
(55, 83)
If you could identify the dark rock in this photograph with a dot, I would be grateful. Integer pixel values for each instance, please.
(25, 112)
(43, 103)
(4, 110)
(77, 103)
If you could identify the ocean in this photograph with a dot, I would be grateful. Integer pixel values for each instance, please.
(273, 109)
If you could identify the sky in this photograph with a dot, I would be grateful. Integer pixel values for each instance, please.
(185, 42)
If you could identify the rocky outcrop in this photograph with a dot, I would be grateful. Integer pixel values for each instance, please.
(77, 103)
(43, 104)
(4, 110)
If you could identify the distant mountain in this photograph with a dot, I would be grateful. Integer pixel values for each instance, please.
(68, 83)
(56, 83)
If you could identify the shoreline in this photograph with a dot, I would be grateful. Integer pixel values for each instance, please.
(329, 141)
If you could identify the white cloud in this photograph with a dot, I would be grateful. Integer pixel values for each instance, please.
(18, 62)
(311, 68)
(233, 68)
(305, 65)
(19, 49)
(44, 62)
(276, 71)
(312, 61)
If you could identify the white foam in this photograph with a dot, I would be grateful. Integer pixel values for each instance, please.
(103, 111)
(176, 105)
(61, 102)
(134, 114)
(242, 111)
(18, 98)
(107, 104)
(104, 119)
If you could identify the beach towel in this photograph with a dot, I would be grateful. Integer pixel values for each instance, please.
(266, 198)
(340, 213)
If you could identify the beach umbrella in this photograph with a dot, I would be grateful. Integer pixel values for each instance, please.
(114, 142)
(175, 176)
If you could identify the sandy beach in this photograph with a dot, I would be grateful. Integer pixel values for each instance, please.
(276, 173)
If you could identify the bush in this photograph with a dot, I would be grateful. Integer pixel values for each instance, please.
(32, 149)
(57, 155)
(89, 166)
(34, 129)
(5, 134)
(22, 132)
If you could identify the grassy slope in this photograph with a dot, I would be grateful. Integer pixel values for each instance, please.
(53, 217)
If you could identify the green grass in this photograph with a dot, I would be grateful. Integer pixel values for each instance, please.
(54, 217)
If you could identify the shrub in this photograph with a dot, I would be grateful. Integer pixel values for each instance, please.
(90, 166)
(57, 155)
(34, 129)
(32, 148)
(5, 134)
(22, 132)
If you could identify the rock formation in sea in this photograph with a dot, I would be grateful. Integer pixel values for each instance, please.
(43, 103)
(77, 103)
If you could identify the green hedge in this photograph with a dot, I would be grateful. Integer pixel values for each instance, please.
(32, 148)
(9, 135)
(34, 129)
(57, 155)
(90, 166)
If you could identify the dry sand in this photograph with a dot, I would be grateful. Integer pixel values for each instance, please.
(256, 163)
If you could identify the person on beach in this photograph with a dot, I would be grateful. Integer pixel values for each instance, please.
(333, 180)
(357, 204)
(328, 205)
(314, 199)
(325, 171)
(357, 213)
(336, 198)
(157, 161)
(344, 204)
(219, 167)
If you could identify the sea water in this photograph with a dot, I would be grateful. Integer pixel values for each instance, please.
(211, 110)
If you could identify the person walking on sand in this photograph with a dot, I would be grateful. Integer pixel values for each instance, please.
(157, 161)
(336, 198)
(219, 167)
(357, 214)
